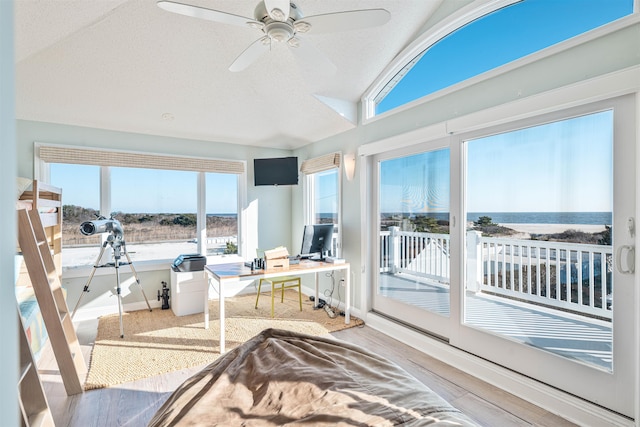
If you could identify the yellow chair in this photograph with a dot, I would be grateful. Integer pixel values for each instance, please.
(282, 283)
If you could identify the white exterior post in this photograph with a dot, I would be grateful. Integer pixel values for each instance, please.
(474, 261)
(394, 249)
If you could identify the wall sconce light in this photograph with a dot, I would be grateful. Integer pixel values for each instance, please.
(349, 165)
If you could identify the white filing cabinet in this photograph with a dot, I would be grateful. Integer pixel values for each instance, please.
(187, 292)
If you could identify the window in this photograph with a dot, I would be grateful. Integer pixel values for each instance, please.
(322, 187)
(325, 197)
(222, 213)
(540, 214)
(81, 201)
(157, 207)
(483, 43)
(414, 244)
(540, 239)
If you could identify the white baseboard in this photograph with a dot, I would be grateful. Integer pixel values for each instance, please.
(553, 400)
(96, 312)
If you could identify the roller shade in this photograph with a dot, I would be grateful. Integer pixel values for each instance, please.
(84, 156)
(320, 164)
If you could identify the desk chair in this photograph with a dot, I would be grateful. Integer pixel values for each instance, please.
(283, 283)
(294, 282)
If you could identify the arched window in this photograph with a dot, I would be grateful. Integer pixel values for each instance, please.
(481, 43)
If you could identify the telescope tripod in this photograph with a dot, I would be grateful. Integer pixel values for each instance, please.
(119, 247)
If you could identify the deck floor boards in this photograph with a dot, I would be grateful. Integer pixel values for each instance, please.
(572, 336)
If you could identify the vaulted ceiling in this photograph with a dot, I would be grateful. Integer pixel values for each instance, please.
(129, 65)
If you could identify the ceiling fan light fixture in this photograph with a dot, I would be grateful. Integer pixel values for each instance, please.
(301, 26)
(255, 24)
(277, 14)
(279, 31)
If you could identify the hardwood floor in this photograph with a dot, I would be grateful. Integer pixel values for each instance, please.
(484, 403)
(133, 404)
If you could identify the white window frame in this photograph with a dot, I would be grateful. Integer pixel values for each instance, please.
(42, 173)
(558, 100)
(404, 61)
(309, 202)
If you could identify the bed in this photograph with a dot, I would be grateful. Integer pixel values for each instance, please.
(286, 378)
(47, 200)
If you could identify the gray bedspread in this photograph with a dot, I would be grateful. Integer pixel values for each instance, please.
(284, 378)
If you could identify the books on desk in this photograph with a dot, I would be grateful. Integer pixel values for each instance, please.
(333, 260)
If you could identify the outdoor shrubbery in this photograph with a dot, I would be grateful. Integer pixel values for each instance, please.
(145, 228)
(576, 236)
(489, 228)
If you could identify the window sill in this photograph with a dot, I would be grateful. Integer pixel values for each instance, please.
(141, 266)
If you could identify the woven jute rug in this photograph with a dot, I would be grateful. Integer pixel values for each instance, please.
(156, 342)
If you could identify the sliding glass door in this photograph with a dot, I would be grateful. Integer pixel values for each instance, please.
(548, 288)
(413, 228)
(540, 210)
(539, 275)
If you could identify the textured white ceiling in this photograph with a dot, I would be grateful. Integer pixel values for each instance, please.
(123, 64)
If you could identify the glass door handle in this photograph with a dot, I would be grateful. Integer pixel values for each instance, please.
(630, 258)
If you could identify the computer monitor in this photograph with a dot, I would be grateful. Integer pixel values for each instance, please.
(317, 239)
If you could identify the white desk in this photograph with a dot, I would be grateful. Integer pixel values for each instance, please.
(222, 273)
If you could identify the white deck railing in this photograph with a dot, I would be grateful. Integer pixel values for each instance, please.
(567, 276)
(420, 254)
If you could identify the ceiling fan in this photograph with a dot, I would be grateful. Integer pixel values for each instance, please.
(281, 21)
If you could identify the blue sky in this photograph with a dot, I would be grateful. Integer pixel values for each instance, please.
(562, 167)
(326, 192)
(565, 166)
(507, 34)
(501, 37)
(145, 190)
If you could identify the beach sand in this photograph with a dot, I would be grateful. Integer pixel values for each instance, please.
(553, 228)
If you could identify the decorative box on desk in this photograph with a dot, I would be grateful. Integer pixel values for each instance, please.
(276, 258)
(187, 292)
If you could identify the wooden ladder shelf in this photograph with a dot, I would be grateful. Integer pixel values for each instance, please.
(53, 306)
(34, 406)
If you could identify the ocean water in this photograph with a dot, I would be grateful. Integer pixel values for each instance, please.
(594, 218)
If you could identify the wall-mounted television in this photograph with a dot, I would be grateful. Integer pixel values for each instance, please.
(276, 171)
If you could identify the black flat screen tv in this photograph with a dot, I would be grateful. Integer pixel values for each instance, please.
(276, 171)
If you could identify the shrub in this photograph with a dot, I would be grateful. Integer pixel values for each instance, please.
(231, 248)
(577, 236)
(484, 221)
(185, 220)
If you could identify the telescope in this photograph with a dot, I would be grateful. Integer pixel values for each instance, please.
(102, 225)
(117, 243)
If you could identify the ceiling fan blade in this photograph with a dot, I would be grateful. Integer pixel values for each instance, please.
(313, 60)
(250, 54)
(277, 9)
(203, 13)
(346, 21)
